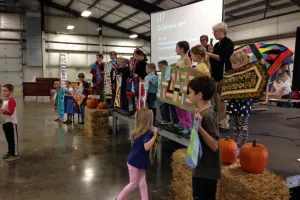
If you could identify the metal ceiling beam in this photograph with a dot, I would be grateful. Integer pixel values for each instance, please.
(297, 2)
(141, 5)
(258, 12)
(111, 11)
(157, 2)
(145, 33)
(255, 5)
(138, 25)
(69, 4)
(92, 19)
(93, 4)
(128, 17)
(233, 4)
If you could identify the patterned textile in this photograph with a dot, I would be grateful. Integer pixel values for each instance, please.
(107, 82)
(239, 126)
(273, 54)
(142, 99)
(97, 73)
(241, 107)
(78, 96)
(118, 91)
(154, 150)
(194, 152)
(175, 91)
(247, 82)
(60, 103)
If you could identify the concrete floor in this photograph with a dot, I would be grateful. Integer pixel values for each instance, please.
(56, 162)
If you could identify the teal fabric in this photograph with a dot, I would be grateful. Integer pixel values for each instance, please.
(167, 75)
(151, 87)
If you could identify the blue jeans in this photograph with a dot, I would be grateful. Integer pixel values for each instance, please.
(82, 109)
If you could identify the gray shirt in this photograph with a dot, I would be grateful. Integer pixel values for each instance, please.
(209, 166)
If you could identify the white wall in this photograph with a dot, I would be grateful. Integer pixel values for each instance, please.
(77, 62)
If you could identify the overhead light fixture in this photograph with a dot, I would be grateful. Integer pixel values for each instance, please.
(70, 27)
(86, 13)
(133, 36)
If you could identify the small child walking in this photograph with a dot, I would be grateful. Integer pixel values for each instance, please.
(239, 110)
(151, 84)
(9, 115)
(69, 102)
(144, 138)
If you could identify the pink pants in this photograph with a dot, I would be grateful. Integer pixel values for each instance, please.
(185, 118)
(137, 178)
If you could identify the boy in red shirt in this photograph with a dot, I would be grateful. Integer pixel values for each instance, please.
(9, 116)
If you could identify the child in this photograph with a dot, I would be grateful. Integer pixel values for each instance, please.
(239, 110)
(85, 86)
(139, 71)
(9, 115)
(54, 98)
(208, 170)
(113, 67)
(151, 85)
(166, 110)
(281, 88)
(184, 116)
(198, 54)
(138, 158)
(125, 73)
(69, 102)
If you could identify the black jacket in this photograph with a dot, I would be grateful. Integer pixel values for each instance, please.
(141, 69)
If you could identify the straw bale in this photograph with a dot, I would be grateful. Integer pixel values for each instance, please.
(235, 183)
(96, 122)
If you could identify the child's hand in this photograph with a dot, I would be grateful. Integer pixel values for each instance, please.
(135, 75)
(150, 81)
(262, 61)
(198, 116)
(154, 130)
(1, 109)
(210, 48)
(190, 66)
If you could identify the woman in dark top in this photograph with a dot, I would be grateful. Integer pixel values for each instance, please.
(220, 60)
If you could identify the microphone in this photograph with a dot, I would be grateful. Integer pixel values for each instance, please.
(211, 41)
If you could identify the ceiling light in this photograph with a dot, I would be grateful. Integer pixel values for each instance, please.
(133, 36)
(70, 27)
(86, 13)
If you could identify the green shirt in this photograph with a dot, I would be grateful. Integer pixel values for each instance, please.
(209, 166)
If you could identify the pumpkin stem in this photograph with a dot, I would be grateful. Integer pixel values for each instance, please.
(227, 138)
(254, 143)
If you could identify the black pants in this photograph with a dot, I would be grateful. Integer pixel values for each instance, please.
(11, 134)
(204, 189)
(124, 100)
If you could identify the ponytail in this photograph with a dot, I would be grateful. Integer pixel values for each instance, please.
(206, 61)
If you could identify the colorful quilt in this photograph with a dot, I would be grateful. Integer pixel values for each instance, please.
(107, 81)
(142, 99)
(175, 91)
(273, 54)
(118, 91)
(153, 151)
(60, 103)
(78, 96)
(194, 152)
(96, 72)
(247, 82)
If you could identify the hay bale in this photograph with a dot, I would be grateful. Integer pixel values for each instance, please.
(235, 183)
(182, 176)
(96, 122)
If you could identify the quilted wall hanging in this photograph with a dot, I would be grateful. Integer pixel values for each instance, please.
(174, 91)
(273, 54)
(248, 82)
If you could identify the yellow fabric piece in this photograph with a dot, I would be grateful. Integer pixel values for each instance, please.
(202, 67)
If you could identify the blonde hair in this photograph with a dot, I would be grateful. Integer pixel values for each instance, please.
(221, 26)
(200, 52)
(239, 57)
(143, 122)
(282, 76)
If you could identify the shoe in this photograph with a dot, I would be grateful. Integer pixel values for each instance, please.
(66, 122)
(69, 122)
(81, 123)
(6, 156)
(57, 119)
(11, 158)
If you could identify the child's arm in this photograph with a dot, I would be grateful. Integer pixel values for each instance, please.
(201, 73)
(11, 107)
(211, 142)
(148, 145)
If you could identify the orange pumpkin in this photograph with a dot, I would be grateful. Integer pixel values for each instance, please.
(253, 157)
(91, 103)
(228, 151)
(102, 105)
